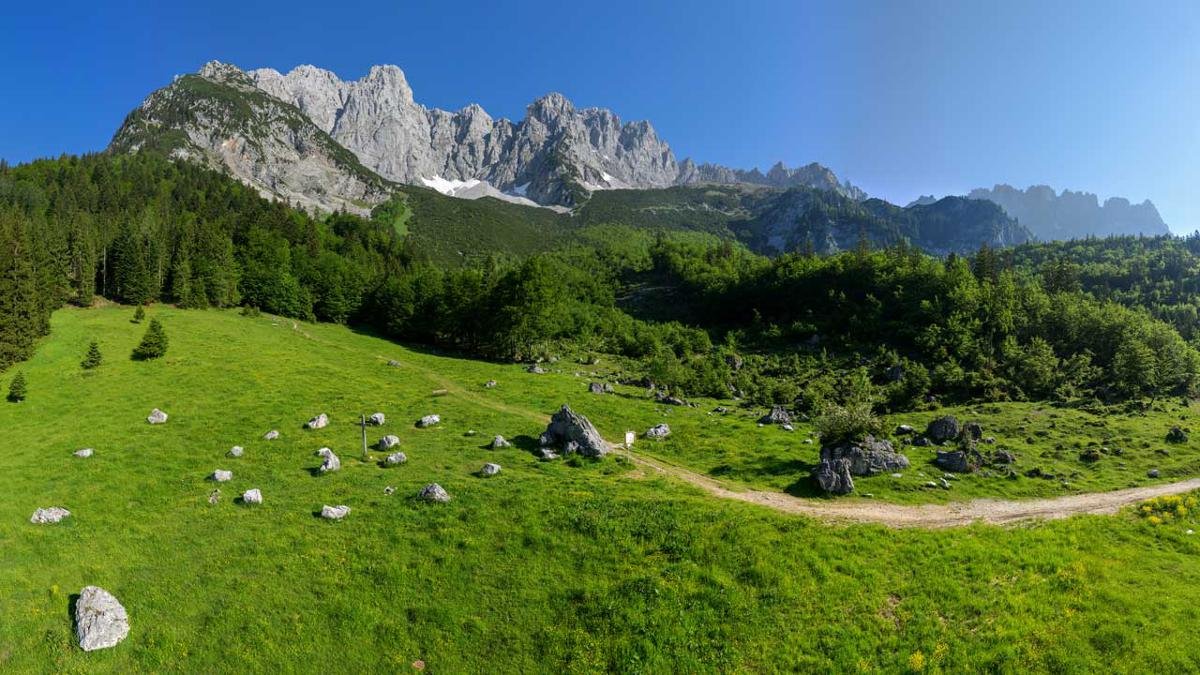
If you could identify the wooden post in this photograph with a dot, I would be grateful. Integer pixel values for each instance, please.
(363, 424)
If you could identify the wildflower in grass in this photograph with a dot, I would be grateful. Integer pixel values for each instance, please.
(916, 661)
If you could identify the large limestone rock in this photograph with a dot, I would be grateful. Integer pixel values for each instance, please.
(84, 453)
(500, 442)
(334, 512)
(100, 620)
(236, 451)
(434, 493)
(834, 476)
(253, 496)
(778, 415)
(331, 461)
(658, 431)
(49, 515)
(221, 476)
(271, 435)
(943, 429)
(572, 432)
(377, 419)
(429, 421)
(867, 457)
(388, 442)
(319, 422)
(157, 417)
(396, 459)
(489, 469)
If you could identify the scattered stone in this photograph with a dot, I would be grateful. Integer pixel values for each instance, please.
(489, 384)
(334, 512)
(778, 415)
(51, 515)
(658, 431)
(959, 461)
(546, 454)
(990, 440)
(100, 620)
(428, 421)
(394, 363)
(214, 496)
(943, 429)
(157, 417)
(666, 399)
(396, 458)
(1152, 473)
(221, 476)
(788, 427)
(573, 432)
(236, 451)
(489, 469)
(271, 435)
(808, 441)
(84, 453)
(252, 496)
(897, 475)
(389, 490)
(867, 457)
(377, 419)
(1091, 455)
(331, 463)
(535, 369)
(720, 410)
(1003, 457)
(500, 442)
(596, 388)
(1177, 435)
(921, 441)
(470, 432)
(945, 484)
(833, 476)
(972, 431)
(434, 493)
(319, 422)
(388, 442)
(905, 430)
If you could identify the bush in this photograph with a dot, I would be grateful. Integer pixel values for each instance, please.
(849, 422)
(154, 343)
(139, 314)
(93, 358)
(250, 311)
(16, 389)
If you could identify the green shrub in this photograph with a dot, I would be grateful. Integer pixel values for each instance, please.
(16, 389)
(139, 314)
(153, 344)
(848, 422)
(250, 311)
(93, 357)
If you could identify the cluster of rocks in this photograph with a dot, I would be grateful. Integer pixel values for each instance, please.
(600, 388)
(868, 456)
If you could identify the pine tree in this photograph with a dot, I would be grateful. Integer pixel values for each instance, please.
(16, 389)
(154, 343)
(93, 358)
(139, 314)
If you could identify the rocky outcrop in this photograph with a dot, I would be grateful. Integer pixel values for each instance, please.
(778, 415)
(834, 477)
(865, 457)
(943, 429)
(50, 515)
(1073, 215)
(434, 493)
(100, 620)
(330, 461)
(571, 432)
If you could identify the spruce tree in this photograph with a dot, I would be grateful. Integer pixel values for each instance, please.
(16, 388)
(139, 314)
(93, 358)
(154, 343)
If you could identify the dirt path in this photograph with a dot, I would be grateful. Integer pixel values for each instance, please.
(996, 512)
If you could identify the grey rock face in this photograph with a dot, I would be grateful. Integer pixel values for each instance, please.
(388, 442)
(334, 512)
(535, 369)
(100, 620)
(489, 469)
(866, 457)
(778, 415)
(500, 442)
(84, 453)
(943, 429)
(319, 422)
(331, 463)
(271, 435)
(658, 431)
(49, 515)
(253, 496)
(1073, 215)
(434, 493)
(396, 458)
(546, 454)
(236, 451)
(377, 419)
(834, 476)
(574, 433)
(489, 384)
(157, 417)
(221, 476)
(596, 388)
(429, 421)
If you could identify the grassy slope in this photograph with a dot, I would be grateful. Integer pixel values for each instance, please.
(547, 567)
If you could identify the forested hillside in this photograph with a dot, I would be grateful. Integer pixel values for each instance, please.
(699, 311)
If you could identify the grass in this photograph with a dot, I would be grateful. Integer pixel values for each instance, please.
(548, 567)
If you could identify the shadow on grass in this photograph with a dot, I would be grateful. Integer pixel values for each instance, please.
(72, 603)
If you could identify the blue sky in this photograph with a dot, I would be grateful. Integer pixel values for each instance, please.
(902, 98)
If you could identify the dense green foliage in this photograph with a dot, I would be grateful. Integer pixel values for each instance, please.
(154, 343)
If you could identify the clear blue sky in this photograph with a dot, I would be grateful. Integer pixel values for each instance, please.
(902, 98)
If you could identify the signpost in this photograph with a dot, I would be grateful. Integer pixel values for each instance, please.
(362, 422)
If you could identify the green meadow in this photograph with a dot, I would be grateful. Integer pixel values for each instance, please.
(566, 566)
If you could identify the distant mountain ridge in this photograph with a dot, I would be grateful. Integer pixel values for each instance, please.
(557, 155)
(1050, 214)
